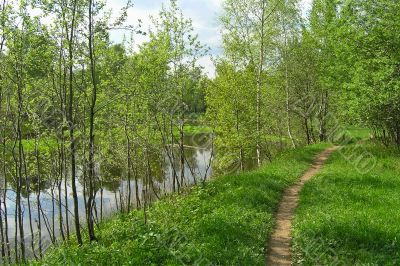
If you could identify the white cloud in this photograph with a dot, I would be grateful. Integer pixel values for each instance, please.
(208, 65)
(204, 15)
(306, 7)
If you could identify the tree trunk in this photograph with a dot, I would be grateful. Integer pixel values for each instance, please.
(19, 173)
(38, 198)
(129, 158)
(182, 149)
(260, 82)
(72, 128)
(288, 120)
(28, 191)
(307, 131)
(91, 199)
(323, 115)
(5, 186)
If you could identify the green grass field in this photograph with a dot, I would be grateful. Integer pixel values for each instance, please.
(358, 133)
(196, 129)
(350, 215)
(226, 222)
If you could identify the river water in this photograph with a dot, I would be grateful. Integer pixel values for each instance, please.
(109, 196)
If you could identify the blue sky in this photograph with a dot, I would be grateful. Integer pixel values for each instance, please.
(204, 14)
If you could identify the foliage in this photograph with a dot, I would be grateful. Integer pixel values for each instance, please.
(361, 51)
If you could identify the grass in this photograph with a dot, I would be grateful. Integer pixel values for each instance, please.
(44, 145)
(350, 215)
(196, 129)
(358, 133)
(226, 222)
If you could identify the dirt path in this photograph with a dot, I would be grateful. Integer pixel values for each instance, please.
(279, 243)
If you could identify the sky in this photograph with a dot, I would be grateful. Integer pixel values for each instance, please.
(204, 15)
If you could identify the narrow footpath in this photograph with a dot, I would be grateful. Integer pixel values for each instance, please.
(279, 243)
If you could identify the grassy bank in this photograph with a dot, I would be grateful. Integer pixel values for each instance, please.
(350, 215)
(196, 129)
(225, 223)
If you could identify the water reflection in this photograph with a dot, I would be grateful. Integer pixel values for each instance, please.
(112, 187)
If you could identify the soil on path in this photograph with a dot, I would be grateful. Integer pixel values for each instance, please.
(279, 243)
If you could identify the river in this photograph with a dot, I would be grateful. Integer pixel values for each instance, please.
(109, 196)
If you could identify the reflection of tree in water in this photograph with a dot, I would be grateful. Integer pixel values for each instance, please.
(2, 184)
(113, 175)
(111, 185)
(151, 170)
(191, 161)
(32, 179)
(195, 146)
(111, 167)
(34, 185)
(201, 141)
(111, 172)
(157, 165)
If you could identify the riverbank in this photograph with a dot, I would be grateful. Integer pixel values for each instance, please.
(226, 222)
